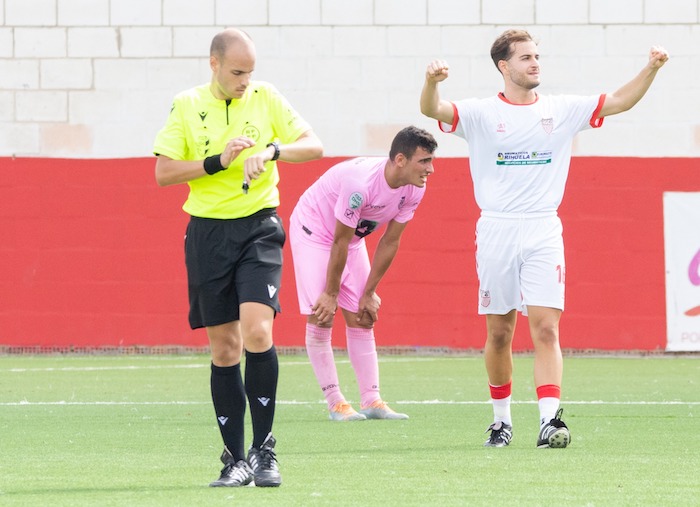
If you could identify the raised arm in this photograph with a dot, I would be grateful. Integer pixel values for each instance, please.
(431, 104)
(631, 93)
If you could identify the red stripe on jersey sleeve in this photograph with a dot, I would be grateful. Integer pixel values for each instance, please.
(595, 121)
(455, 120)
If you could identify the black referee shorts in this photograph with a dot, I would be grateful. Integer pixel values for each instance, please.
(230, 262)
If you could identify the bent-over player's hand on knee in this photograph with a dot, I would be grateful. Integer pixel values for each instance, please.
(368, 311)
(325, 307)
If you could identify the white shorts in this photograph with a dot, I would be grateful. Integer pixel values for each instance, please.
(519, 262)
(311, 264)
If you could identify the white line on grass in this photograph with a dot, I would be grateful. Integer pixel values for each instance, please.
(106, 368)
(26, 403)
(193, 366)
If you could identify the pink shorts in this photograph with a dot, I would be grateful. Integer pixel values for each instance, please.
(310, 266)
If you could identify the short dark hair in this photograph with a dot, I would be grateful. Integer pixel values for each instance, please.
(502, 48)
(410, 138)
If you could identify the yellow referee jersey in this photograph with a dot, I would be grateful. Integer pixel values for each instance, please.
(200, 125)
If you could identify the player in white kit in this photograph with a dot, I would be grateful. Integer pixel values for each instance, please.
(520, 150)
(331, 264)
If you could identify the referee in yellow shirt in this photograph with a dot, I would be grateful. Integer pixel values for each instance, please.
(223, 139)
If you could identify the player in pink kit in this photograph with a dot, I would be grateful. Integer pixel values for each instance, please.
(331, 263)
(520, 149)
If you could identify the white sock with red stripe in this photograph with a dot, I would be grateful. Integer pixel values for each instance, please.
(500, 399)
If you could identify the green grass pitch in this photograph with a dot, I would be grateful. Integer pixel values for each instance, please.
(140, 431)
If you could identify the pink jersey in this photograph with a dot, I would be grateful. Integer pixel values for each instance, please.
(356, 193)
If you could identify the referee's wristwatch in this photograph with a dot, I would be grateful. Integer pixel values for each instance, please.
(276, 145)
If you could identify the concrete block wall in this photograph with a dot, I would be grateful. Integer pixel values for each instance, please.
(94, 78)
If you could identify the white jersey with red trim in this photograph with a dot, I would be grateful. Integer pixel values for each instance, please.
(520, 154)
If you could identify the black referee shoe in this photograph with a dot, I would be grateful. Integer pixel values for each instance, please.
(263, 461)
(234, 474)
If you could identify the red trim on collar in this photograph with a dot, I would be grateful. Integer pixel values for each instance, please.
(503, 97)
